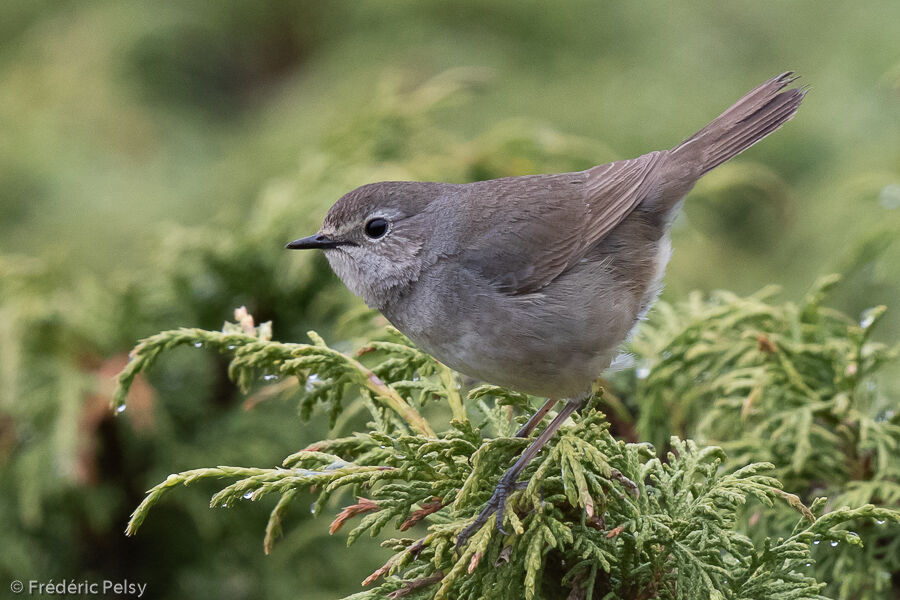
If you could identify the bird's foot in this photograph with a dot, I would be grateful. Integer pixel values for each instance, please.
(497, 504)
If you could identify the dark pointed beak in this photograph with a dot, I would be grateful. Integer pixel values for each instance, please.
(320, 241)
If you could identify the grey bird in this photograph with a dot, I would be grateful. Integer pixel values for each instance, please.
(532, 282)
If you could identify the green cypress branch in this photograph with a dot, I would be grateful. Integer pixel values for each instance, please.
(599, 518)
(253, 356)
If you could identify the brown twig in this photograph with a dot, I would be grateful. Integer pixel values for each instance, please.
(428, 508)
(416, 584)
(363, 506)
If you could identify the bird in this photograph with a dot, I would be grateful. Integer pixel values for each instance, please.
(532, 282)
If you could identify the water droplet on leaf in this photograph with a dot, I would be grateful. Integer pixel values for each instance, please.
(890, 196)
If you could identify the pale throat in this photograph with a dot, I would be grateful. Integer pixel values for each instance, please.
(377, 292)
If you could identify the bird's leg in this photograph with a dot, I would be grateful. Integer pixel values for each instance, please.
(507, 483)
(536, 418)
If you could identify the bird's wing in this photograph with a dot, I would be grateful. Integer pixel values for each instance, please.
(529, 230)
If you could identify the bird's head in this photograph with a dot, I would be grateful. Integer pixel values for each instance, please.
(374, 237)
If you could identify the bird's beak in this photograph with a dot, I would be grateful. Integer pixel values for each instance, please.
(319, 240)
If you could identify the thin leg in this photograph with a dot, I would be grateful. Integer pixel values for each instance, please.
(536, 418)
(508, 482)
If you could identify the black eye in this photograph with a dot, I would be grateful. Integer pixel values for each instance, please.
(376, 228)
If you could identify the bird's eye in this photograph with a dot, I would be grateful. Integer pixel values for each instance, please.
(376, 228)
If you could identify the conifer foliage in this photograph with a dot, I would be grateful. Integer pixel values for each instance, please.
(796, 385)
(598, 518)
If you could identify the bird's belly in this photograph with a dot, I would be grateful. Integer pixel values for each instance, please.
(530, 366)
(554, 342)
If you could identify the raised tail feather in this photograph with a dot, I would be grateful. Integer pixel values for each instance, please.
(760, 112)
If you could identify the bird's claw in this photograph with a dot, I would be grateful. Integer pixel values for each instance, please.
(497, 504)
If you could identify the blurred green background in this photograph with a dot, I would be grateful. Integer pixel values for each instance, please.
(155, 157)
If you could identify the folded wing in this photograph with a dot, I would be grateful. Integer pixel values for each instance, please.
(530, 230)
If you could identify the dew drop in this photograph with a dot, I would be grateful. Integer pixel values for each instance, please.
(120, 409)
(248, 495)
(880, 521)
(889, 198)
(198, 344)
(270, 377)
(808, 564)
(817, 542)
(884, 416)
(833, 544)
(311, 382)
(231, 346)
(642, 372)
(312, 509)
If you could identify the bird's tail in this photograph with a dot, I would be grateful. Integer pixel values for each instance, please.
(760, 112)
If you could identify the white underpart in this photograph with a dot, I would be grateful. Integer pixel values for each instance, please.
(663, 254)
